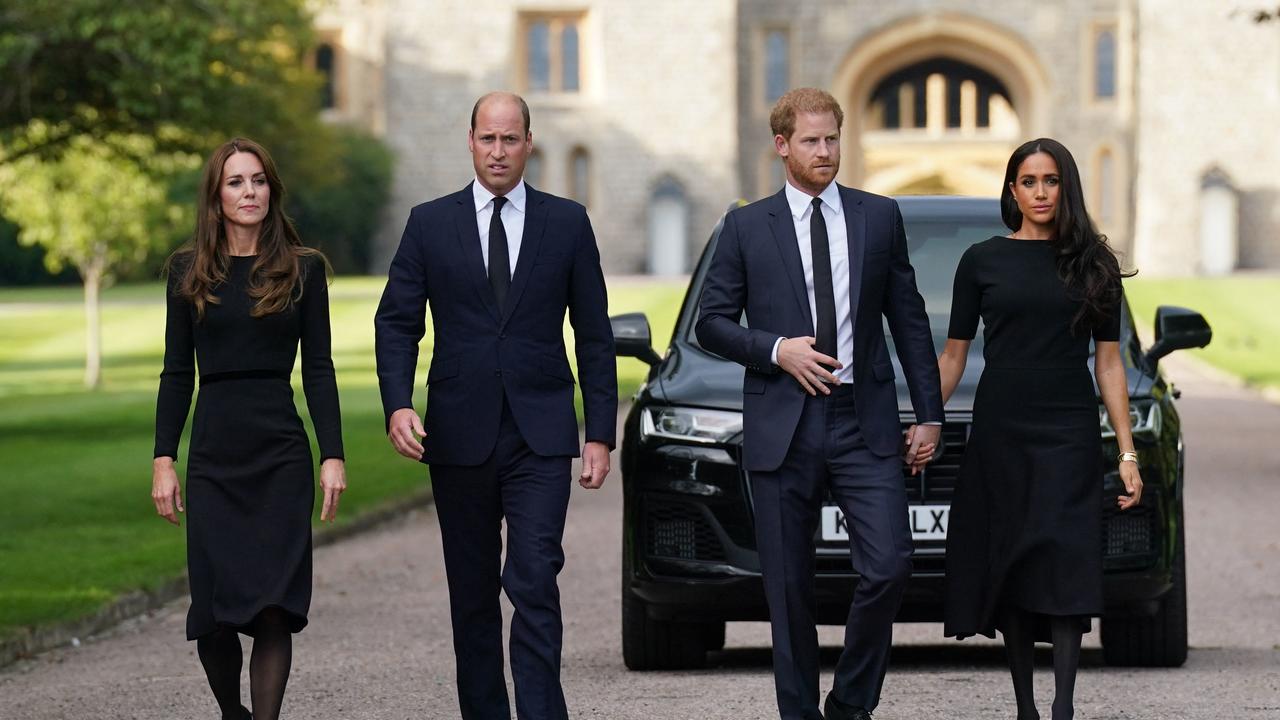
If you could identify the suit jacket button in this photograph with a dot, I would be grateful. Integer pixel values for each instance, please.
(502, 336)
(497, 372)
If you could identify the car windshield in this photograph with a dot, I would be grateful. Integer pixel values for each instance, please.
(935, 241)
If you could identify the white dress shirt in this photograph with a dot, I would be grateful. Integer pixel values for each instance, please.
(838, 246)
(512, 220)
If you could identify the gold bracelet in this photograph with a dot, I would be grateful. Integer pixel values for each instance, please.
(1128, 455)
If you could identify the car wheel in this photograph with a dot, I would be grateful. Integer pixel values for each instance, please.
(650, 644)
(713, 635)
(1159, 640)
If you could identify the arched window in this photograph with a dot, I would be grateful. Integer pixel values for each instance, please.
(539, 46)
(326, 65)
(962, 96)
(580, 176)
(668, 251)
(533, 169)
(1104, 64)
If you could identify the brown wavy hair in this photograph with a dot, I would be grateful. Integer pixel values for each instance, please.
(204, 261)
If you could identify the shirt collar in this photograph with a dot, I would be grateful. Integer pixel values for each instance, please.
(483, 197)
(800, 200)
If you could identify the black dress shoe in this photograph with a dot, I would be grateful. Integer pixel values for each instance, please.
(837, 710)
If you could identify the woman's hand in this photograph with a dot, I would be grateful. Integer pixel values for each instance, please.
(333, 480)
(1132, 485)
(166, 490)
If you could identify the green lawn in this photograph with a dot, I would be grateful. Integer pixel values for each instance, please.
(1241, 310)
(78, 524)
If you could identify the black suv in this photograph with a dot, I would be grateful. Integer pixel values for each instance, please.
(689, 561)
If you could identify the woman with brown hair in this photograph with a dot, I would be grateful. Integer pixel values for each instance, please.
(1023, 546)
(242, 295)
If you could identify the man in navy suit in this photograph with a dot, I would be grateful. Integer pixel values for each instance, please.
(816, 267)
(500, 263)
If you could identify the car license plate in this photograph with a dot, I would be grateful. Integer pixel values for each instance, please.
(927, 522)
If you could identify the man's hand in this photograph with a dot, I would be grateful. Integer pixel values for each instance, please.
(921, 442)
(404, 430)
(595, 465)
(798, 359)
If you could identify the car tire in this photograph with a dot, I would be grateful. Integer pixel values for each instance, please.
(713, 636)
(651, 644)
(1161, 639)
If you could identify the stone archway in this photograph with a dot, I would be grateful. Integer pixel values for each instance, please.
(961, 162)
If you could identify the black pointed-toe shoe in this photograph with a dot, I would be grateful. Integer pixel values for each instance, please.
(834, 709)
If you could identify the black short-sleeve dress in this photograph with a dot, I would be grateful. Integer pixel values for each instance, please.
(1025, 524)
(250, 478)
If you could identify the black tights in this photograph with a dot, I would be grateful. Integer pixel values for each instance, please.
(269, 665)
(1019, 643)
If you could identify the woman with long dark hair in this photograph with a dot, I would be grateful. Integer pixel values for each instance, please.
(242, 295)
(1023, 545)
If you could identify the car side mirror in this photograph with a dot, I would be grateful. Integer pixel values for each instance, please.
(1178, 329)
(631, 337)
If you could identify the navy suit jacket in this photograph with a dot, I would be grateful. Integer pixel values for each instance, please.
(757, 268)
(483, 352)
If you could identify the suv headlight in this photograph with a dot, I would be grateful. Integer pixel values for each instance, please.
(1144, 419)
(690, 424)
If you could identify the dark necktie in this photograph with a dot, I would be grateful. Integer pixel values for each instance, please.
(499, 257)
(823, 289)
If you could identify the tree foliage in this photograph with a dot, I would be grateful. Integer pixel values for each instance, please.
(95, 203)
(180, 71)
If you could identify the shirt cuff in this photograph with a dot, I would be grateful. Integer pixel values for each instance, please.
(773, 356)
(933, 422)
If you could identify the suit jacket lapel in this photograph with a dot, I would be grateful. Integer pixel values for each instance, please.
(855, 222)
(535, 222)
(784, 232)
(469, 246)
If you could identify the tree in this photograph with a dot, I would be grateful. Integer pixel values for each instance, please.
(95, 207)
(182, 71)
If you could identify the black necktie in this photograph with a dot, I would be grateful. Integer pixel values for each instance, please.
(499, 257)
(823, 289)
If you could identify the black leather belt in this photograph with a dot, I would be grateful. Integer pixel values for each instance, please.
(210, 378)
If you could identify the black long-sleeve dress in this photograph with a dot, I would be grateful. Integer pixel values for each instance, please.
(1026, 520)
(250, 477)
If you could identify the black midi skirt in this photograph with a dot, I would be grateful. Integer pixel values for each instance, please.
(1025, 529)
(250, 491)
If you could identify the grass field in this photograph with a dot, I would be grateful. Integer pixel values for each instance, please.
(1241, 310)
(78, 524)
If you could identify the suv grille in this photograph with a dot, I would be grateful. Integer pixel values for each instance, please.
(680, 531)
(1130, 538)
(938, 481)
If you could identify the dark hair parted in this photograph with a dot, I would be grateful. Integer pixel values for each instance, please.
(524, 107)
(1086, 263)
(204, 260)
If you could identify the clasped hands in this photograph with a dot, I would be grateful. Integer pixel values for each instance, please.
(813, 370)
(405, 432)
